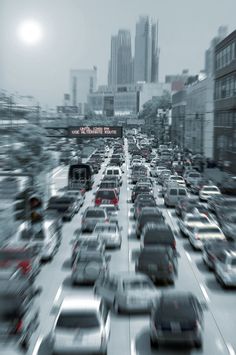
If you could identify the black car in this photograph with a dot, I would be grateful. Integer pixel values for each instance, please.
(185, 205)
(142, 201)
(148, 214)
(228, 186)
(160, 263)
(177, 318)
(154, 235)
(65, 206)
(228, 224)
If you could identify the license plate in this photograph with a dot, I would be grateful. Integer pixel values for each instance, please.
(175, 327)
(106, 202)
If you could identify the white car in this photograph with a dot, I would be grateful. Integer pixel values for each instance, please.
(176, 178)
(81, 326)
(114, 170)
(193, 178)
(128, 291)
(208, 191)
(200, 234)
(190, 221)
(109, 233)
(157, 170)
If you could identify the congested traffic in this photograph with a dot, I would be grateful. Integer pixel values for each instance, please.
(136, 255)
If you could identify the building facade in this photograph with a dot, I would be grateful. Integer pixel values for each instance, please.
(178, 118)
(146, 58)
(225, 103)
(121, 62)
(82, 82)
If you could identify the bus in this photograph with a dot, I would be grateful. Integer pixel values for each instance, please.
(80, 176)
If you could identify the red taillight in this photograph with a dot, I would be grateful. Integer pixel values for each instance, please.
(98, 201)
(174, 244)
(115, 201)
(25, 266)
(19, 326)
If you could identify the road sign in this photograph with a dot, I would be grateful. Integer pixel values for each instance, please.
(95, 132)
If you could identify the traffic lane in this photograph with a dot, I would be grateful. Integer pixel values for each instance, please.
(221, 303)
(120, 262)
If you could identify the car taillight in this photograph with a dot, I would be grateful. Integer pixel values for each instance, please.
(174, 244)
(115, 201)
(25, 266)
(19, 326)
(98, 201)
(197, 236)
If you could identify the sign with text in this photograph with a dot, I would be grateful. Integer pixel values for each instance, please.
(95, 131)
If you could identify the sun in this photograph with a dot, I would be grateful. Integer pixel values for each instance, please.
(30, 32)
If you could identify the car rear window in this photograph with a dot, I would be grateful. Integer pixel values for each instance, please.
(136, 285)
(107, 194)
(95, 214)
(208, 230)
(178, 308)
(111, 229)
(182, 192)
(173, 192)
(77, 320)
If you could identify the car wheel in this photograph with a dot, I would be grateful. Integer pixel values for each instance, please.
(116, 306)
(25, 343)
(198, 344)
(154, 344)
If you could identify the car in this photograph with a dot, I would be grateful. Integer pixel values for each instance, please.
(91, 242)
(154, 235)
(196, 186)
(77, 195)
(19, 309)
(201, 233)
(218, 204)
(88, 265)
(213, 248)
(108, 184)
(156, 171)
(106, 196)
(228, 224)
(66, 206)
(173, 194)
(164, 175)
(140, 189)
(114, 170)
(109, 233)
(191, 220)
(145, 179)
(148, 214)
(193, 178)
(177, 318)
(127, 291)
(176, 178)
(159, 263)
(185, 205)
(142, 201)
(208, 191)
(82, 325)
(25, 258)
(228, 186)
(225, 267)
(91, 216)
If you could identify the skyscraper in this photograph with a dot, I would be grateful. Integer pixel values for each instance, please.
(120, 64)
(146, 59)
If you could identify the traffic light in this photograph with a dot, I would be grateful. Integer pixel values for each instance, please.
(35, 209)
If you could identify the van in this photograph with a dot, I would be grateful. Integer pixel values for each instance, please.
(80, 176)
(173, 194)
(114, 170)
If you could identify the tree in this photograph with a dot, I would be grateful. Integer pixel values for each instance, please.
(151, 107)
(28, 152)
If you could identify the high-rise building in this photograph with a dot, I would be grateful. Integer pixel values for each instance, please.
(146, 59)
(120, 65)
(82, 82)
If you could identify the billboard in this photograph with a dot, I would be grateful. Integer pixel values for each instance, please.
(67, 109)
(95, 131)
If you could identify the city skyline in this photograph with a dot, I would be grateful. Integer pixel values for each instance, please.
(79, 37)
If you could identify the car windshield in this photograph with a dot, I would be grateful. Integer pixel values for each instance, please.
(109, 194)
(137, 285)
(200, 219)
(15, 254)
(182, 192)
(194, 175)
(233, 262)
(95, 214)
(210, 189)
(78, 320)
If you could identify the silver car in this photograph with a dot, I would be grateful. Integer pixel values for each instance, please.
(88, 266)
(225, 268)
(81, 326)
(91, 216)
(127, 291)
(110, 234)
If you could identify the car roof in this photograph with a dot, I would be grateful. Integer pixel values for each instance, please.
(87, 303)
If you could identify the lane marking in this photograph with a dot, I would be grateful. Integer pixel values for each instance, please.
(205, 294)
(230, 349)
(58, 294)
(133, 347)
(219, 345)
(37, 345)
(189, 257)
(57, 172)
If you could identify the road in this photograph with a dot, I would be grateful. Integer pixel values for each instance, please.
(130, 334)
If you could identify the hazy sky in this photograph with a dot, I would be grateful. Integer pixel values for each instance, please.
(77, 35)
